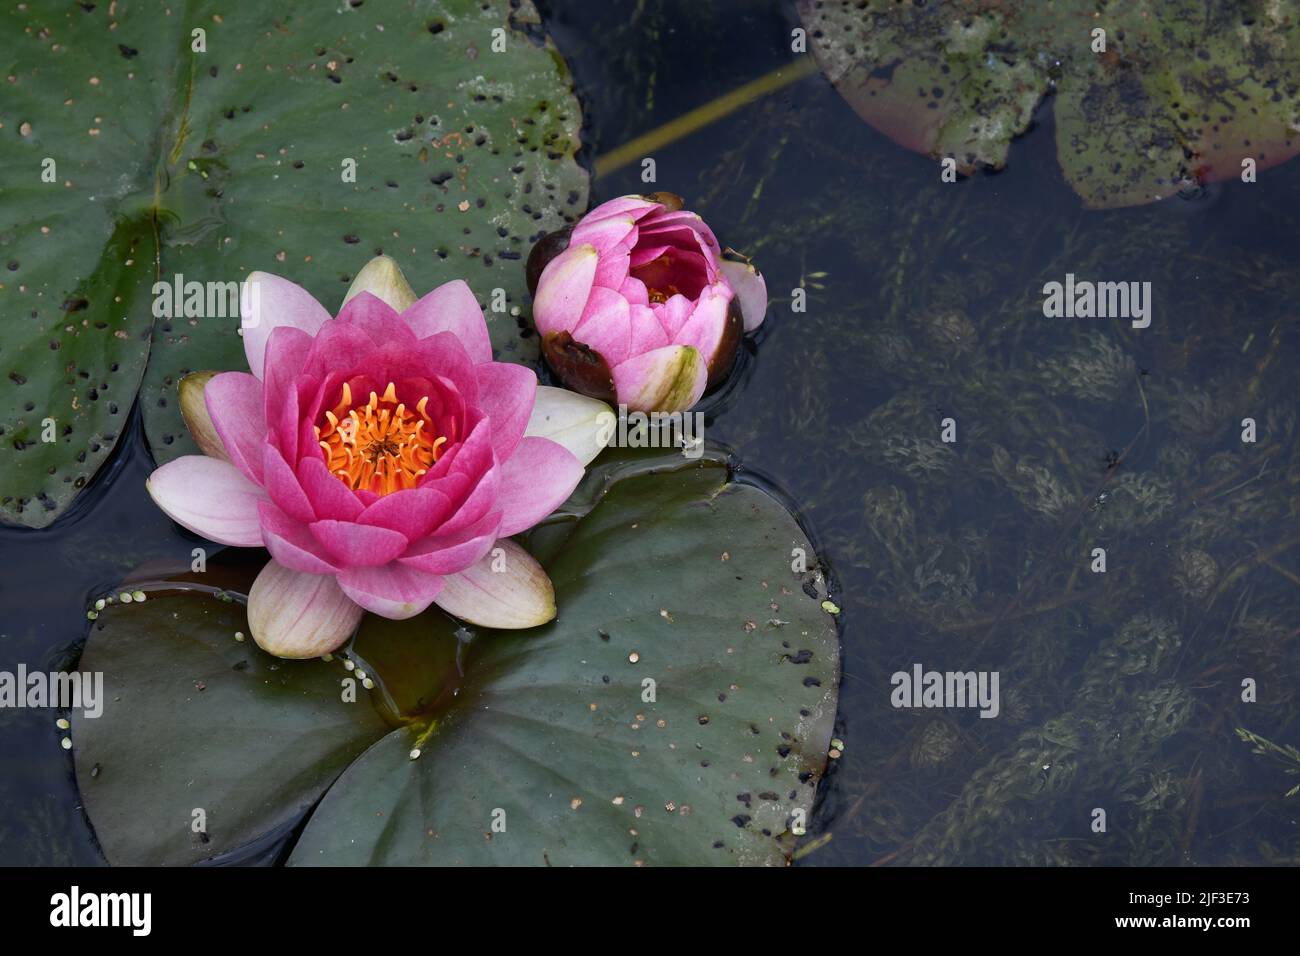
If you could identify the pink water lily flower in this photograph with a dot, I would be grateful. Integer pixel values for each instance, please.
(637, 304)
(382, 457)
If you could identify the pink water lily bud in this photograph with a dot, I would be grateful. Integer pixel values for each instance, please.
(382, 457)
(636, 304)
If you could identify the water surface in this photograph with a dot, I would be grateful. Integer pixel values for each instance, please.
(1120, 690)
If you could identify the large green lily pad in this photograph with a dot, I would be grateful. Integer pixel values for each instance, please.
(210, 165)
(681, 578)
(665, 571)
(1184, 91)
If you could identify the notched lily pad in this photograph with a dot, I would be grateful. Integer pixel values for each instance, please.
(416, 665)
(205, 742)
(1182, 94)
(677, 711)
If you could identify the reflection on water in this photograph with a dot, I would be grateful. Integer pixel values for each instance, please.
(1119, 690)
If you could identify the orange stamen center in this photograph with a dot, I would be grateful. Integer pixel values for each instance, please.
(380, 446)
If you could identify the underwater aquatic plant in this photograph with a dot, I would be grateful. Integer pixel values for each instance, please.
(636, 303)
(381, 456)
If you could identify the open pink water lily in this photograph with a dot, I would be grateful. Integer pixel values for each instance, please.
(637, 304)
(382, 457)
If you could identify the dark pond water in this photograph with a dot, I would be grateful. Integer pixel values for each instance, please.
(1119, 690)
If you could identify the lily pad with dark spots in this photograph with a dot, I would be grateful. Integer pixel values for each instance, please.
(1183, 92)
(298, 138)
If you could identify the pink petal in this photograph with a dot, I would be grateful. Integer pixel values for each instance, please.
(329, 497)
(377, 319)
(606, 325)
(286, 355)
(291, 543)
(671, 220)
(472, 457)
(673, 314)
(444, 353)
(209, 497)
(606, 232)
(649, 252)
(479, 501)
(634, 290)
(359, 545)
(706, 325)
(536, 480)
(647, 333)
(296, 615)
(282, 485)
(506, 393)
(452, 308)
(413, 512)
(269, 302)
(685, 229)
(449, 553)
(393, 591)
(480, 497)
(612, 267)
(338, 347)
(282, 417)
(670, 379)
(235, 405)
(563, 289)
(638, 207)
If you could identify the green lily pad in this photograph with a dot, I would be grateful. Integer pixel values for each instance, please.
(552, 753)
(210, 165)
(1182, 93)
(205, 742)
(665, 571)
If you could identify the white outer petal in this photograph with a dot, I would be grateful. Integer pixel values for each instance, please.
(297, 615)
(750, 289)
(382, 278)
(194, 410)
(517, 596)
(582, 425)
(210, 497)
